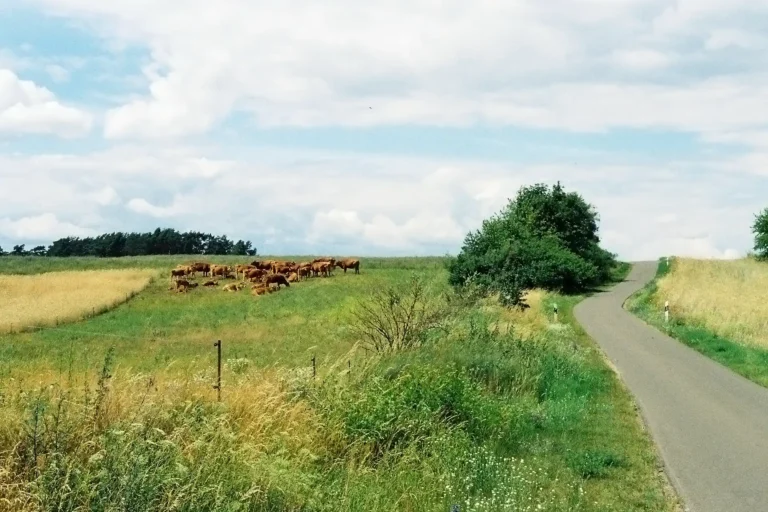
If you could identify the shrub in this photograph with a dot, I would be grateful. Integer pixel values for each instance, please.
(542, 239)
(397, 318)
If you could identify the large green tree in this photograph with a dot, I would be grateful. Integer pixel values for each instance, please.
(544, 238)
(760, 229)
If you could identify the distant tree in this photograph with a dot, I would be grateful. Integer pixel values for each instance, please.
(18, 250)
(2, 252)
(38, 251)
(544, 238)
(243, 248)
(159, 241)
(760, 229)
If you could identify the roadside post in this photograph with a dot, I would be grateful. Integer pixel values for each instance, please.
(554, 308)
(217, 387)
(666, 311)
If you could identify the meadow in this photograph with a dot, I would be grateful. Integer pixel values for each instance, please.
(719, 308)
(481, 406)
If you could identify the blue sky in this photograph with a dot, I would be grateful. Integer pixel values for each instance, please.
(385, 127)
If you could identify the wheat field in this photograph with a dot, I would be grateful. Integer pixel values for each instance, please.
(29, 301)
(729, 298)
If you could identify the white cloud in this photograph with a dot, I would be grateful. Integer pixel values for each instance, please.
(309, 201)
(45, 226)
(142, 206)
(57, 72)
(106, 196)
(642, 60)
(28, 108)
(527, 62)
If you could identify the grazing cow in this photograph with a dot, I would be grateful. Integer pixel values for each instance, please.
(178, 272)
(305, 272)
(349, 263)
(243, 269)
(220, 270)
(201, 266)
(256, 273)
(278, 279)
(321, 268)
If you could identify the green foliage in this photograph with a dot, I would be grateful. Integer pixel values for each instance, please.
(544, 238)
(760, 229)
(594, 463)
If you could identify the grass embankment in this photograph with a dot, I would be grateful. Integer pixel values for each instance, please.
(31, 301)
(719, 308)
(525, 417)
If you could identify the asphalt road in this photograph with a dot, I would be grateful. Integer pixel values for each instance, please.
(710, 424)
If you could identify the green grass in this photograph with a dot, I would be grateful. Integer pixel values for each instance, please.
(472, 417)
(748, 361)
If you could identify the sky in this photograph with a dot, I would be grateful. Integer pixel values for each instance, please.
(383, 127)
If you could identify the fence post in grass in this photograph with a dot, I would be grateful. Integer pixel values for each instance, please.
(554, 308)
(217, 387)
(666, 311)
(314, 367)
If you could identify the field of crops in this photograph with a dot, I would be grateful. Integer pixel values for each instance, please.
(483, 407)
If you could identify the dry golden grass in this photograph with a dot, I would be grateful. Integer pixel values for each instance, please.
(730, 298)
(57, 297)
(526, 323)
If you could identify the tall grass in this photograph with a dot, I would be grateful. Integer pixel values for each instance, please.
(730, 298)
(29, 301)
(716, 307)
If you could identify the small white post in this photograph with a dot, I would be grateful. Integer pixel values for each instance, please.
(554, 307)
(666, 260)
(666, 311)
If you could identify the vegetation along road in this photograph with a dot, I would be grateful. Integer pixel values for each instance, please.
(710, 424)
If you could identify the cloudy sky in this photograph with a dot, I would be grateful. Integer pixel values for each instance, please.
(383, 127)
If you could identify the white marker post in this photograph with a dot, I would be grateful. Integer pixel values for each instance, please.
(666, 311)
(554, 307)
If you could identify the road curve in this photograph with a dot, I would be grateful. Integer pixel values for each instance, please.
(710, 424)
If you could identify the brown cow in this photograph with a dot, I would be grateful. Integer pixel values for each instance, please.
(243, 269)
(220, 270)
(278, 279)
(201, 266)
(349, 263)
(321, 268)
(256, 273)
(305, 272)
(178, 272)
(293, 277)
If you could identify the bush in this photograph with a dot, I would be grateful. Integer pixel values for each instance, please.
(397, 318)
(542, 239)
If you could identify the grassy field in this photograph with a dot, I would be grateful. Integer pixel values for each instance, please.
(30, 301)
(489, 408)
(719, 308)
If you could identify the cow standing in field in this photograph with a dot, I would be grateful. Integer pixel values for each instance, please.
(349, 263)
(278, 279)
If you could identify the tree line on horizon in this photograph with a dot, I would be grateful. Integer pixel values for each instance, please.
(159, 241)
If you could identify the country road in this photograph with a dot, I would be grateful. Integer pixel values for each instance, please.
(711, 425)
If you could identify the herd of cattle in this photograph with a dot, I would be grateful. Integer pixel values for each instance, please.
(264, 276)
